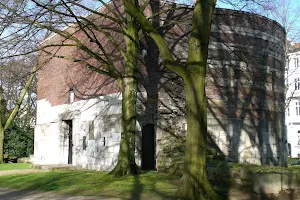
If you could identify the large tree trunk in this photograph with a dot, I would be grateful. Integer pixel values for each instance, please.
(14, 112)
(2, 122)
(196, 185)
(1, 143)
(126, 159)
(5, 123)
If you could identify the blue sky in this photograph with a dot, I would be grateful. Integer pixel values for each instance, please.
(292, 6)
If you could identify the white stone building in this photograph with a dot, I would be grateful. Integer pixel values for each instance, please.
(84, 133)
(78, 122)
(293, 101)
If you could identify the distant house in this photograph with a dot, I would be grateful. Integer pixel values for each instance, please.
(78, 110)
(293, 100)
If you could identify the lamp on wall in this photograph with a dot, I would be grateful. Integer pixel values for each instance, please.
(71, 95)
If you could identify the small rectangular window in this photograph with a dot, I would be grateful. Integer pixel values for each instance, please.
(296, 61)
(84, 143)
(91, 130)
(104, 142)
(297, 83)
(297, 108)
(71, 95)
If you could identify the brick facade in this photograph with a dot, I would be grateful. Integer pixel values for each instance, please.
(245, 88)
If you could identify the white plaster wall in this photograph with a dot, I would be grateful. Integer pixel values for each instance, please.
(46, 144)
(51, 143)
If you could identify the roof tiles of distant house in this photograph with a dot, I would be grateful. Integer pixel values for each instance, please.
(293, 48)
(297, 45)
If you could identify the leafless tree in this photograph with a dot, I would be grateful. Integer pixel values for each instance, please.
(101, 37)
(288, 15)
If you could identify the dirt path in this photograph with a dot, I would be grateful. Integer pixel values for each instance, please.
(20, 171)
(13, 194)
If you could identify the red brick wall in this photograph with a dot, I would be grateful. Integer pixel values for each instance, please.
(58, 75)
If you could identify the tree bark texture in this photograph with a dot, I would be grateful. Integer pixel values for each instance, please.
(195, 183)
(2, 122)
(20, 100)
(126, 159)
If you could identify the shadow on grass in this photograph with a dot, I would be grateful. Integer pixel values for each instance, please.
(14, 194)
(137, 188)
(148, 185)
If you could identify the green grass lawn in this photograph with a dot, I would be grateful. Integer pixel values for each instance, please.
(12, 166)
(150, 185)
(146, 186)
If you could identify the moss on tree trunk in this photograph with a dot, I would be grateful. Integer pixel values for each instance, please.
(126, 159)
(6, 122)
(195, 183)
(1, 144)
(2, 123)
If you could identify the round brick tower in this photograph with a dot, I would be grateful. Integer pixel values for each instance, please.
(245, 87)
(245, 90)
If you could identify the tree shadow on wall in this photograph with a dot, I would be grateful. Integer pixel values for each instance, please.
(238, 118)
(164, 102)
(245, 90)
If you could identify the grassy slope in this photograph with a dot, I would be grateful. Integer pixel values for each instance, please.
(12, 166)
(151, 185)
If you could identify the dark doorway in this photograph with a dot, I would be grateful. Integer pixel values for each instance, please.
(148, 147)
(70, 138)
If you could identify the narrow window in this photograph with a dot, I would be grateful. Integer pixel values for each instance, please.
(297, 83)
(91, 130)
(84, 143)
(71, 95)
(296, 61)
(104, 141)
(298, 137)
(297, 108)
